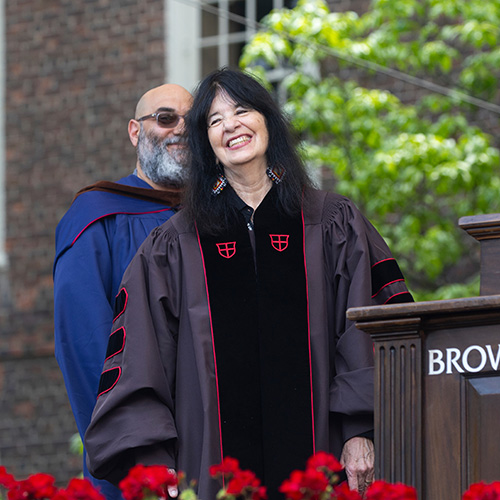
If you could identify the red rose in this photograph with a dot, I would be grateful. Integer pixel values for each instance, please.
(259, 493)
(381, 490)
(291, 488)
(322, 460)
(79, 489)
(6, 480)
(315, 481)
(228, 468)
(132, 485)
(483, 491)
(344, 493)
(310, 484)
(146, 480)
(246, 483)
(36, 487)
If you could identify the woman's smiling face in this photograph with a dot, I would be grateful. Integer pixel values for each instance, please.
(238, 134)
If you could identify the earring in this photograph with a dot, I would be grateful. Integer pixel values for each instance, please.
(220, 184)
(276, 174)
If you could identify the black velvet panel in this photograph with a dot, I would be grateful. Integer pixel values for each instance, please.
(259, 317)
(120, 304)
(383, 273)
(284, 343)
(116, 342)
(233, 302)
(108, 380)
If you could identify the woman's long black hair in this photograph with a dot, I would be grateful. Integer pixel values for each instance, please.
(213, 213)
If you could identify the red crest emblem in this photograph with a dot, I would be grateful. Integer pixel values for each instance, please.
(279, 241)
(227, 250)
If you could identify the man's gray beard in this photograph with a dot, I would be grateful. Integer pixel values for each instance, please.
(157, 163)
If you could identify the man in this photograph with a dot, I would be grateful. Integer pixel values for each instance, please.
(99, 235)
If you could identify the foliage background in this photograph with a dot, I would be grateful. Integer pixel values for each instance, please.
(413, 168)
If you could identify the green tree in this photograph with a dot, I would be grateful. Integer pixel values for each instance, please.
(414, 170)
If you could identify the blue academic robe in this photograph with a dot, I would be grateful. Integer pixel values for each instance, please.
(95, 241)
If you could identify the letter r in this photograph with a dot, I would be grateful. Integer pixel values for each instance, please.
(452, 357)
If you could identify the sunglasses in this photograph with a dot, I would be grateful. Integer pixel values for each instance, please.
(164, 119)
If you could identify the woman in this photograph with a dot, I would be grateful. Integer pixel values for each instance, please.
(230, 337)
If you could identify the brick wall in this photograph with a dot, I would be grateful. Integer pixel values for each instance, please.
(35, 422)
(75, 70)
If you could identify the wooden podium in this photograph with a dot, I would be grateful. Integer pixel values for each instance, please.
(437, 382)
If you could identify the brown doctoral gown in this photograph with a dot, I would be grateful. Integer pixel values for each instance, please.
(159, 394)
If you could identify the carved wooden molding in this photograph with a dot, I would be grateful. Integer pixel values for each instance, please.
(398, 410)
(481, 227)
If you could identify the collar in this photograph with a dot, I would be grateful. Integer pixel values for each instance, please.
(235, 201)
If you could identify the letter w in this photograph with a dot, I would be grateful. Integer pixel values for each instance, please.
(494, 361)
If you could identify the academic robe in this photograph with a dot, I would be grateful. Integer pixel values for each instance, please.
(95, 241)
(158, 398)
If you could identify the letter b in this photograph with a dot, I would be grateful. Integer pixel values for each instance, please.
(436, 358)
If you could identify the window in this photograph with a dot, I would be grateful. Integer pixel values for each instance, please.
(202, 36)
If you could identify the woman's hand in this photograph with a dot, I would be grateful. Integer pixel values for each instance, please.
(358, 460)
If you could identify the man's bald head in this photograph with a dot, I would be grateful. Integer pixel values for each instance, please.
(167, 95)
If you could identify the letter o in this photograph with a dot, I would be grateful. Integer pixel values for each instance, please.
(465, 360)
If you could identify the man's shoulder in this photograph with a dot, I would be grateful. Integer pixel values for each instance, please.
(90, 198)
(93, 206)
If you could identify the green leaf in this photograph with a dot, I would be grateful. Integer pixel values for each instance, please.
(75, 444)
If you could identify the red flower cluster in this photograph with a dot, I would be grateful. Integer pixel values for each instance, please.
(240, 483)
(318, 482)
(78, 489)
(6, 480)
(37, 486)
(147, 480)
(228, 468)
(482, 491)
(41, 487)
(380, 490)
(325, 462)
(343, 492)
(310, 484)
